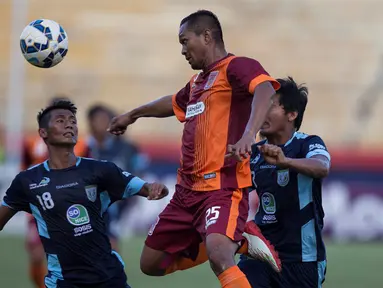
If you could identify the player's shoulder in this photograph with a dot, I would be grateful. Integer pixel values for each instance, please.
(239, 61)
(30, 174)
(86, 161)
(301, 138)
(240, 65)
(33, 169)
(101, 165)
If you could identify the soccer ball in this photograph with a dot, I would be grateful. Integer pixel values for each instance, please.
(44, 43)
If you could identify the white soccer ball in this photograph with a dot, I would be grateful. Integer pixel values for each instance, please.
(44, 43)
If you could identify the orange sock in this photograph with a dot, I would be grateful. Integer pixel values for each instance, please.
(182, 263)
(244, 248)
(37, 274)
(233, 278)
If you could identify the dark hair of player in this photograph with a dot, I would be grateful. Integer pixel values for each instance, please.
(59, 97)
(99, 108)
(293, 98)
(202, 20)
(44, 115)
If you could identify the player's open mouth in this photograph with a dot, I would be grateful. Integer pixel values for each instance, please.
(68, 134)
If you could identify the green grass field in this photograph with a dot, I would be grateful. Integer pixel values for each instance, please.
(349, 265)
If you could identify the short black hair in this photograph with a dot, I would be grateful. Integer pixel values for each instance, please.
(293, 98)
(93, 110)
(203, 19)
(58, 97)
(44, 115)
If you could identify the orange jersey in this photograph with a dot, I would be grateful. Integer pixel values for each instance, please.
(215, 107)
(35, 151)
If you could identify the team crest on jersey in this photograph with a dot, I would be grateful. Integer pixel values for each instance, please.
(283, 177)
(210, 81)
(91, 192)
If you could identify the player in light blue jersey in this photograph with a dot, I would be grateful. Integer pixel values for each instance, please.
(287, 169)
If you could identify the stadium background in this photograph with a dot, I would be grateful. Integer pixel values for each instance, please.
(125, 53)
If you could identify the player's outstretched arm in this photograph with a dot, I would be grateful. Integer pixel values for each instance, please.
(14, 200)
(6, 213)
(159, 108)
(154, 191)
(315, 166)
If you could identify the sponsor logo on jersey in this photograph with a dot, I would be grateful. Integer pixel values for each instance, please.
(77, 215)
(255, 160)
(195, 109)
(44, 182)
(269, 207)
(209, 176)
(316, 146)
(267, 166)
(283, 177)
(268, 203)
(268, 219)
(91, 192)
(126, 174)
(66, 185)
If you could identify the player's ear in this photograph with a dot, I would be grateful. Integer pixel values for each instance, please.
(291, 116)
(208, 37)
(43, 133)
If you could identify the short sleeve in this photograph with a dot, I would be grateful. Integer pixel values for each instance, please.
(248, 73)
(15, 197)
(180, 101)
(314, 145)
(254, 159)
(120, 184)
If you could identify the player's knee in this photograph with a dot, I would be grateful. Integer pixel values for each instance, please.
(150, 262)
(220, 250)
(149, 269)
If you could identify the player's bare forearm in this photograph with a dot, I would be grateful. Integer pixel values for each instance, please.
(6, 214)
(259, 107)
(160, 108)
(315, 167)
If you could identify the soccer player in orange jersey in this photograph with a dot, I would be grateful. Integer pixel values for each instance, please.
(222, 108)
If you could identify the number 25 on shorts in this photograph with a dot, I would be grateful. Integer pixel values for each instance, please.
(212, 215)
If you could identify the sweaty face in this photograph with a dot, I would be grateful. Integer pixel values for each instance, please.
(99, 124)
(62, 128)
(193, 47)
(276, 119)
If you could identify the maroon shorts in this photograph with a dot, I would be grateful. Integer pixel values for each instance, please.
(192, 215)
